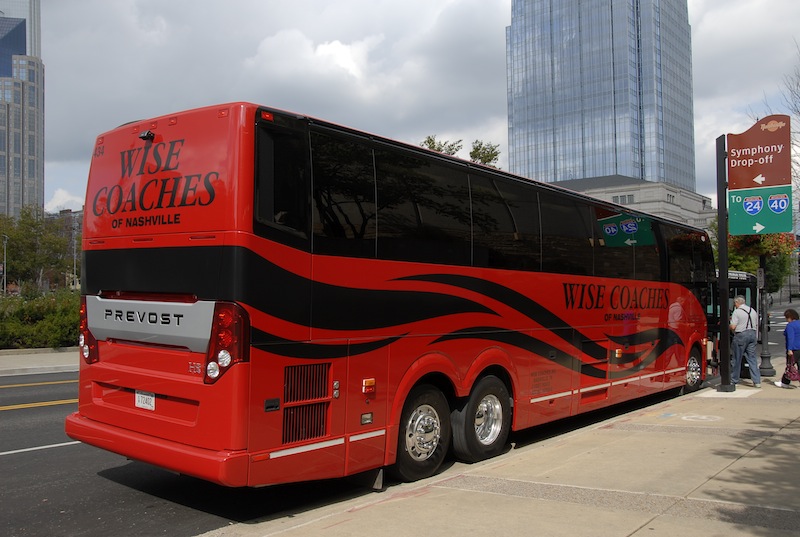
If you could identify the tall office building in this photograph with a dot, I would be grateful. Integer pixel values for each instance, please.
(600, 88)
(21, 107)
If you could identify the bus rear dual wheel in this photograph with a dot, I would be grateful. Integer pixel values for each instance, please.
(479, 428)
(482, 425)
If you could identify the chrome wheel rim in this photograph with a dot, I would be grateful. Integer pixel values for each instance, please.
(693, 371)
(423, 432)
(488, 420)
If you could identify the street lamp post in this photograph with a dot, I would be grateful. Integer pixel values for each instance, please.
(5, 264)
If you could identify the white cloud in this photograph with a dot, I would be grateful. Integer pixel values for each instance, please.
(741, 50)
(398, 69)
(63, 200)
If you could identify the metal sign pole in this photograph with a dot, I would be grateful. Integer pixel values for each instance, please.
(724, 350)
(765, 368)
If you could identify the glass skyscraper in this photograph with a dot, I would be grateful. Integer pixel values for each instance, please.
(21, 107)
(599, 88)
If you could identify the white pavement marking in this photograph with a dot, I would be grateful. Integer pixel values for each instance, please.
(37, 448)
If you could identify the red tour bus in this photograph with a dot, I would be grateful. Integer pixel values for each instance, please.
(269, 298)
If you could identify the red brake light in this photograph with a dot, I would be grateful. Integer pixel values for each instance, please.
(86, 341)
(230, 331)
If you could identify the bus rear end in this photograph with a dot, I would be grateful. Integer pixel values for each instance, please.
(164, 347)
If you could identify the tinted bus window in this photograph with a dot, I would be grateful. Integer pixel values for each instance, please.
(614, 252)
(344, 196)
(627, 247)
(648, 264)
(424, 210)
(567, 238)
(690, 257)
(282, 184)
(691, 260)
(505, 225)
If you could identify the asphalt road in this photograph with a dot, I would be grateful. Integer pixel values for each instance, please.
(53, 486)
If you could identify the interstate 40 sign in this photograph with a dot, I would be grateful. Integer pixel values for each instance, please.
(759, 178)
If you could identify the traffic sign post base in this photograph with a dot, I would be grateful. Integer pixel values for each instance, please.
(765, 368)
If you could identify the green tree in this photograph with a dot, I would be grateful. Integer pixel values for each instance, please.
(777, 268)
(446, 147)
(481, 152)
(39, 251)
(485, 153)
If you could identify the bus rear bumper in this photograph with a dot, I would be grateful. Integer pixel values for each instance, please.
(228, 468)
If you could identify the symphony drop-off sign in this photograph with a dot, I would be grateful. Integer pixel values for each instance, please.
(760, 179)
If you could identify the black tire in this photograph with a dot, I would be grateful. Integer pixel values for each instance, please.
(694, 368)
(423, 438)
(481, 427)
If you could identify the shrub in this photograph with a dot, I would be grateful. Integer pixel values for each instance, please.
(46, 321)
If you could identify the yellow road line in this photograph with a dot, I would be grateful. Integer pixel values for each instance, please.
(35, 405)
(39, 384)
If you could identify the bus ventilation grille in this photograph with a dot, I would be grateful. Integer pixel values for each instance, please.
(306, 401)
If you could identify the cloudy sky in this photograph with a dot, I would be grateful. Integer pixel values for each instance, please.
(399, 68)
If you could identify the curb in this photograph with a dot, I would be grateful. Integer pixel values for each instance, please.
(39, 370)
(8, 352)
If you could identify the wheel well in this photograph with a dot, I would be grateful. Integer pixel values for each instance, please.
(698, 348)
(499, 372)
(442, 383)
(502, 374)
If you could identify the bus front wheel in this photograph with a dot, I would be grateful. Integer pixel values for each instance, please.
(424, 435)
(694, 370)
(482, 425)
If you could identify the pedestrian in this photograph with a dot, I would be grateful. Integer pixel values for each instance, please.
(744, 321)
(792, 335)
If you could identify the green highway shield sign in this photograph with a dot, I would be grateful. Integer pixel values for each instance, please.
(625, 230)
(758, 211)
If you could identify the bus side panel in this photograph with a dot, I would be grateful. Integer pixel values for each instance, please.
(547, 387)
(627, 384)
(297, 416)
(367, 394)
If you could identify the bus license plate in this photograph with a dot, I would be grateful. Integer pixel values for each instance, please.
(145, 400)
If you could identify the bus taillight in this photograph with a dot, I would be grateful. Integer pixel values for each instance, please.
(229, 340)
(86, 341)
